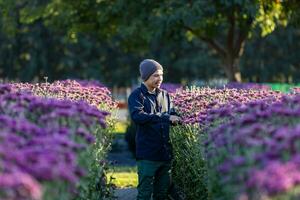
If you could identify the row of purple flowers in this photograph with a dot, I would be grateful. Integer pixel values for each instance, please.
(49, 136)
(237, 144)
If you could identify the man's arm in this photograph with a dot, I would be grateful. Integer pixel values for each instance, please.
(139, 116)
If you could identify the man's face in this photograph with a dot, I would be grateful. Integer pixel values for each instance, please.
(155, 80)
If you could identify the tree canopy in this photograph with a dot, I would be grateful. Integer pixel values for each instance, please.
(148, 27)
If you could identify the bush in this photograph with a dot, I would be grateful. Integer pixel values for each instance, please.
(256, 153)
(190, 170)
(63, 143)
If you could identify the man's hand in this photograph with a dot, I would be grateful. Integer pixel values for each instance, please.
(175, 119)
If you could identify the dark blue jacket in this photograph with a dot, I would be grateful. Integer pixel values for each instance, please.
(151, 113)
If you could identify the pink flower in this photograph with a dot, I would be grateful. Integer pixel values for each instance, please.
(21, 184)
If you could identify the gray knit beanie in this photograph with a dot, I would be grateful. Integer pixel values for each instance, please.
(148, 67)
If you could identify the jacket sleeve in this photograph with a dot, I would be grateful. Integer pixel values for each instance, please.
(139, 116)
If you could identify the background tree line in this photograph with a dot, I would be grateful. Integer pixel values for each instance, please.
(105, 40)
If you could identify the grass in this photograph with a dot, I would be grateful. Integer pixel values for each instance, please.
(283, 87)
(123, 176)
(120, 127)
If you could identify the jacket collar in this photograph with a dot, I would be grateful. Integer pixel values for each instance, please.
(145, 89)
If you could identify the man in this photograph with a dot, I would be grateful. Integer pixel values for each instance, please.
(151, 110)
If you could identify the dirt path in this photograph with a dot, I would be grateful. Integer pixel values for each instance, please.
(126, 194)
(121, 156)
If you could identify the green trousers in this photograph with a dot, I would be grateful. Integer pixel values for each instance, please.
(154, 179)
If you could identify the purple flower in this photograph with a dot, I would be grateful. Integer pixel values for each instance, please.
(171, 87)
(24, 186)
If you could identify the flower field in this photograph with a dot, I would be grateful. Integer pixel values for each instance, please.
(233, 143)
(53, 140)
(237, 144)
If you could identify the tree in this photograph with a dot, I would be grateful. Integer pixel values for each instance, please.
(223, 25)
(32, 47)
(292, 9)
(274, 58)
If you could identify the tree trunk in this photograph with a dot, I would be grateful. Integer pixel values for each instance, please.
(232, 50)
(232, 70)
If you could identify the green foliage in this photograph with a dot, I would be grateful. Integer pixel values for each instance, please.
(96, 185)
(274, 58)
(222, 25)
(269, 14)
(189, 167)
(106, 40)
(292, 10)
